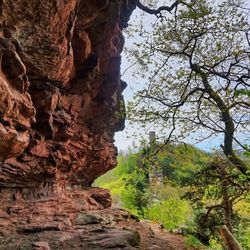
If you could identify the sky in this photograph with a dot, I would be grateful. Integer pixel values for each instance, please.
(127, 137)
(130, 136)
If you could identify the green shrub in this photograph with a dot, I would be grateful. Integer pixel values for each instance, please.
(192, 242)
(171, 213)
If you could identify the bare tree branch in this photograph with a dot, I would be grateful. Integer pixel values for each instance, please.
(158, 10)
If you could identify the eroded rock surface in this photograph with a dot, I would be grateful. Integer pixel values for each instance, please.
(60, 91)
(60, 105)
(94, 230)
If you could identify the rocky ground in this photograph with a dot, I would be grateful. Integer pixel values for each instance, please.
(96, 230)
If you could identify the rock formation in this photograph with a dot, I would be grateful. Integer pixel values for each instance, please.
(60, 105)
(60, 91)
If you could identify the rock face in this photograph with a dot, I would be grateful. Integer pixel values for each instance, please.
(95, 230)
(60, 91)
(60, 105)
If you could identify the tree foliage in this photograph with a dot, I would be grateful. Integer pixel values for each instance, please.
(196, 62)
(195, 59)
(188, 173)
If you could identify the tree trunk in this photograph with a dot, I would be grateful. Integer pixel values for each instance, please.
(226, 118)
(229, 240)
(227, 207)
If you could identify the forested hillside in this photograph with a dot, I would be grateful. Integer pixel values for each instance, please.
(177, 188)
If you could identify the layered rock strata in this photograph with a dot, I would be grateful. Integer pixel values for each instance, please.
(60, 105)
(93, 230)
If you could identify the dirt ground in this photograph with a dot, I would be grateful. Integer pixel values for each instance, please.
(176, 241)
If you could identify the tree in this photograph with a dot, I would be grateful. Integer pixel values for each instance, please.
(214, 191)
(197, 65)
(136, 183)
(198, 69)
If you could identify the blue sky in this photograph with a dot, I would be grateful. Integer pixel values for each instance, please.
(130, 136)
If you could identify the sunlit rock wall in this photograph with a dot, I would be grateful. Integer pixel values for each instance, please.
(60, 100)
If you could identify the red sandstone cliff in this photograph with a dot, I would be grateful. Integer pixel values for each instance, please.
(60, 91)
(60, 105)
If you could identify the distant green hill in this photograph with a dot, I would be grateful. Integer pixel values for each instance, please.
(176, 162)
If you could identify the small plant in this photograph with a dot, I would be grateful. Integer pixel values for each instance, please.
(192, 242)
(171, 213)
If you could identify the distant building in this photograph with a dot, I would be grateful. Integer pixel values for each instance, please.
(155, 175)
